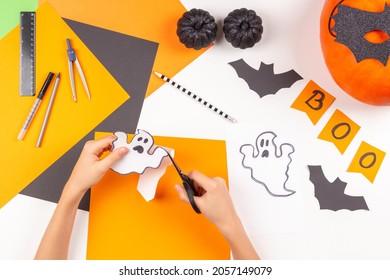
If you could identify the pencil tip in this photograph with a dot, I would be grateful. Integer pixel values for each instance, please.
(59, 75)
(232, 120)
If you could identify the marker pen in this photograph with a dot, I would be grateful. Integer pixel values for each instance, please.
(35, 107)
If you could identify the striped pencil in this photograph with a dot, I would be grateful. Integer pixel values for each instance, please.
(195, 97)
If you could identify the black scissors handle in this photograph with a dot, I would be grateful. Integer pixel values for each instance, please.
(189, 187)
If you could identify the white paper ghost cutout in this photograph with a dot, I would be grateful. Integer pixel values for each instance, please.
(141, 154)
(148, 181)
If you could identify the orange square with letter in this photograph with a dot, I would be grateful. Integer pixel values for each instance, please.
(314, 101)
(122, 225)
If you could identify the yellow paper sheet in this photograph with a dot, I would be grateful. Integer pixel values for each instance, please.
(21, 162)
(122, 225)
(151, 20)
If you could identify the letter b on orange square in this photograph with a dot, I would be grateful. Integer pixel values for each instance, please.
(314, 101)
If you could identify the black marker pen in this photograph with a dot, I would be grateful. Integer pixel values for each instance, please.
(35, 107)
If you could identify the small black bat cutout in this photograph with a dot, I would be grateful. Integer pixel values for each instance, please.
(264, 81)
(331, 196)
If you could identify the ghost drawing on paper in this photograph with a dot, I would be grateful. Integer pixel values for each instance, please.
(269, 164)
(140, 155)
(143, 158)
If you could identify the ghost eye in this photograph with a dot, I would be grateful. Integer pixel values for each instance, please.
(146, 141)
(267, 143)
(139, 139)
(262, 143)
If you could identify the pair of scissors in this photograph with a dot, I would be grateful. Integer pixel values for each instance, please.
(188, 186)
(73, 59)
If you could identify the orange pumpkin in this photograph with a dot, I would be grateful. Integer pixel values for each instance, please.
(367, 80)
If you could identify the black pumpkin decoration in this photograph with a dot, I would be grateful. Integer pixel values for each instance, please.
(196, 29)
(243, 28)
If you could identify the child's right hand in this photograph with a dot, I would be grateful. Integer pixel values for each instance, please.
(213, 200)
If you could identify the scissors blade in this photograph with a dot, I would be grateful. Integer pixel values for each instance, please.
(71, 76)
(188, 186)
(175, 165)
(82, 77)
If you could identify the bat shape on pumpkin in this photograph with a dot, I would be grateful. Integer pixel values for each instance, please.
(264, 81)
(351, 26)
(330, 195)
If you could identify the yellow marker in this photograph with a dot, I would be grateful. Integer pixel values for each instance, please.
(367, 161)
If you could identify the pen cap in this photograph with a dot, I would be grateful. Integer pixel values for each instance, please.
(45, 85)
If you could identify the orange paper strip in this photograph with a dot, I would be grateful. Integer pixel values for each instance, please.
(340, 130)
(314, 101)
(122, 225)
(367, 161)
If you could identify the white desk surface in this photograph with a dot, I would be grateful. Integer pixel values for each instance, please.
(290, 41)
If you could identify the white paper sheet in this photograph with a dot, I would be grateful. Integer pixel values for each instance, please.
(264, 176)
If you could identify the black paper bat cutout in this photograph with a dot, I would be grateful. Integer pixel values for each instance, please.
(331, 196)
(264, 81)
(351, 25)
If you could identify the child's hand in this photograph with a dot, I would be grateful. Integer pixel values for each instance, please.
(213, 200)
(89, 168)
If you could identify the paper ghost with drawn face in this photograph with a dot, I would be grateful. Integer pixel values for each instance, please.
(269, 164)
(141, 153)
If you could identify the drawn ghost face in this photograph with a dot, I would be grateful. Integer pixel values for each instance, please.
(264, 144)
(142, 142)
(268, 168)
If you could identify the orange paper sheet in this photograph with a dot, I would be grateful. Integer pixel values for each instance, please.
(21, 162)
(367, 161)
(151, 20)
(122, 225)
(339, 130)
(314, 101)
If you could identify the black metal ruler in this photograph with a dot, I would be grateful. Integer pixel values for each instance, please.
(27, 53)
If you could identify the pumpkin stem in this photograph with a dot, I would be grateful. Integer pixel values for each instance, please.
(198, 25)
(244, 26)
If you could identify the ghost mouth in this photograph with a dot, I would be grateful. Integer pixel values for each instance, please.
(265, 153)
(139, 149)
